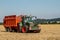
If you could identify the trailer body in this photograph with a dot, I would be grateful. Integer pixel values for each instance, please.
(12, 21)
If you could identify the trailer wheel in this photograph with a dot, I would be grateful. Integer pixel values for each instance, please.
(7, 29)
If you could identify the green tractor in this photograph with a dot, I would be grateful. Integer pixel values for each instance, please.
(29, 25)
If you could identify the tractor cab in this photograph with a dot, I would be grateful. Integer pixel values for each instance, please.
(29, 20)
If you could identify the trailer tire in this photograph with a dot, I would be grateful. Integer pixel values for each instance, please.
(7, 29)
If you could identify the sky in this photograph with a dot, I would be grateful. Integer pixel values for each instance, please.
(46, 9)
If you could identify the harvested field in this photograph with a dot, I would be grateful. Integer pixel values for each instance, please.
(48, 32)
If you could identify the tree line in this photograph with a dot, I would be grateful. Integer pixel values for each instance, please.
(48, 21)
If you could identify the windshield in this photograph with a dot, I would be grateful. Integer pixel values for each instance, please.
(33, 18)
(30, 19)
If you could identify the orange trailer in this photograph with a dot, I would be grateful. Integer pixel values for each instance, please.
(11, 22)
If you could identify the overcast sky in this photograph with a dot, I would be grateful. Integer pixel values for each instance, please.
(40, 8)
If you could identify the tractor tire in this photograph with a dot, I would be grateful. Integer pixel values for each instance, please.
(24, 30)
(38, 31)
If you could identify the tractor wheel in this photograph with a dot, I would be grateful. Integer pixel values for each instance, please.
(38, 31)
(24, 29)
